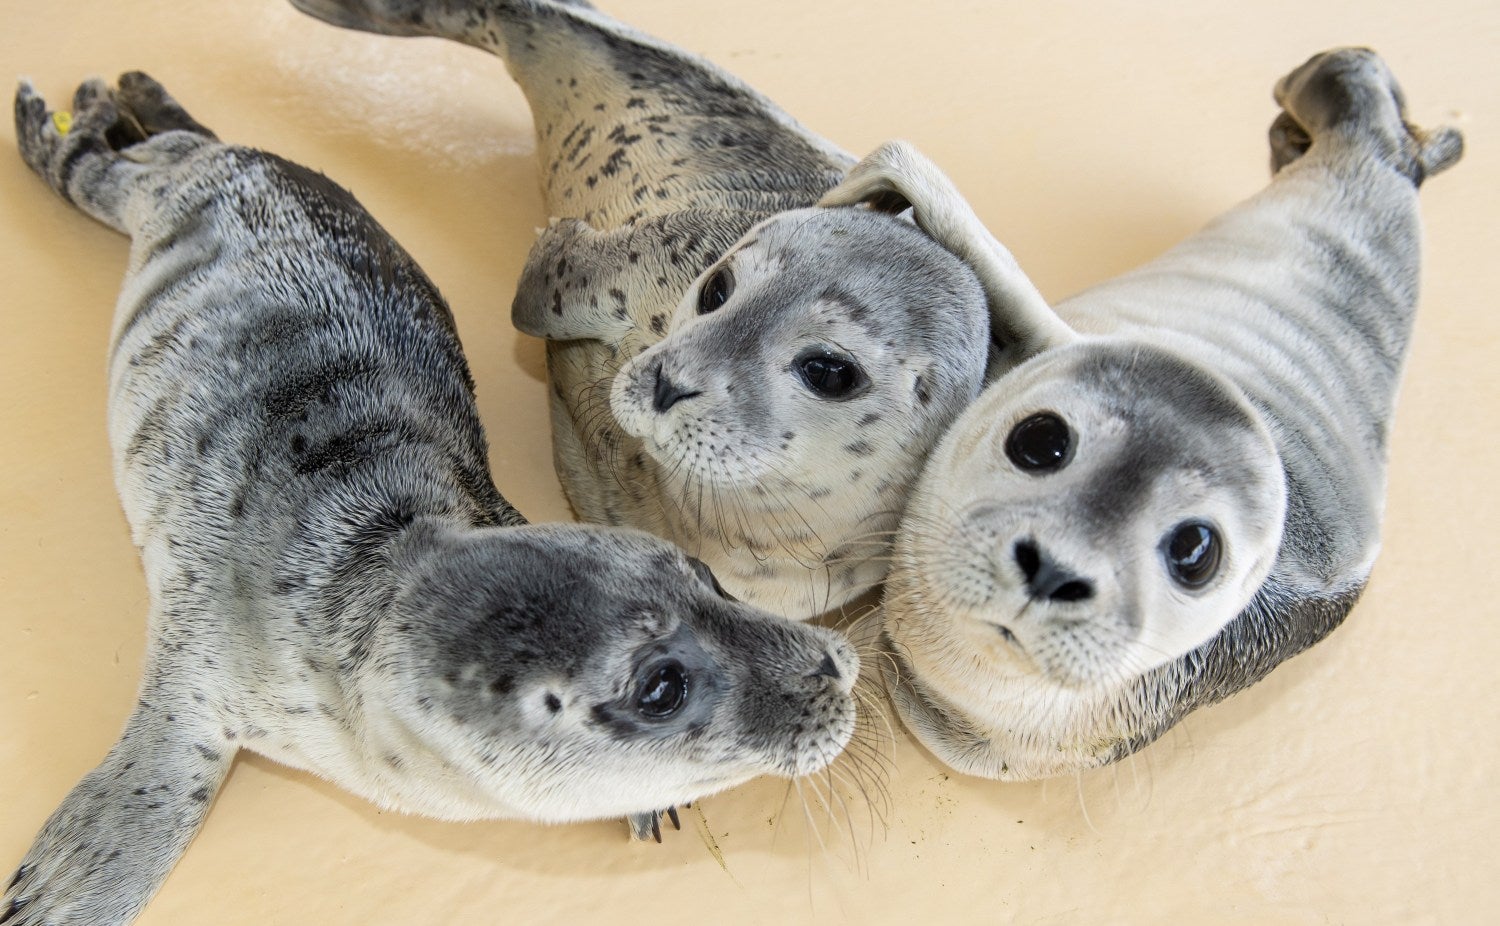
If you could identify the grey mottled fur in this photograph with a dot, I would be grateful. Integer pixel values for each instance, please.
(335, 581)
(655, 163)
(1253, 366)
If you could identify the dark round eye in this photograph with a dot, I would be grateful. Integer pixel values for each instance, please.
(663, 693)
(1040, 443)
(715, 291)
(829, 377)
(1193, 552)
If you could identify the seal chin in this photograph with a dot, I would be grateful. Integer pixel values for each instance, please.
(1025, 744)
(939, 725)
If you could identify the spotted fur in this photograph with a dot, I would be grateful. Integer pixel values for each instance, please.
(655, 166)
(335, 581)
(1244, 380)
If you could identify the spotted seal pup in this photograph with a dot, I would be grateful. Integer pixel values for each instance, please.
(776, 393)
(335, 581)
(1182, 486)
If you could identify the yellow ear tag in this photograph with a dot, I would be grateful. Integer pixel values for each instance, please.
(63, 122)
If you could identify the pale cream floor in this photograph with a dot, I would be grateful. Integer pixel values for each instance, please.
(1357, 785)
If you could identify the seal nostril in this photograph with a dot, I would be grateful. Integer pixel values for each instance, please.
(827, 668)
(1029, 558)
(668, 393)
(1076, 590)
(1045, 579)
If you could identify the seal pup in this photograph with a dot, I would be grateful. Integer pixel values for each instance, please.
(1182, 487)
(335, 581)
(765, 401)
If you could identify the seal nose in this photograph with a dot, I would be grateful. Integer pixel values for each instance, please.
(1045, 579)
(827, 668)
(668, 393)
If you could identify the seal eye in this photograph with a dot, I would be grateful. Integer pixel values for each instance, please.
(715, 291)
(1040, 444)
(1193, 552)
(829, 377)
(663, 693)
(706, 575)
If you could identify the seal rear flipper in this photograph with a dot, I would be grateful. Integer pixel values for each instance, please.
(1348, 97)
(581, 283)
(107, 848)
(96, 155)
(626, 125)
(896, 176)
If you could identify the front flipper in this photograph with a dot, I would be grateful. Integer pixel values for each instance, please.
(103, 853)
(896, 176)
(644, 826)
(581, 283)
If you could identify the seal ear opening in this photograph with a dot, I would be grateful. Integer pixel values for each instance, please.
(895, 177)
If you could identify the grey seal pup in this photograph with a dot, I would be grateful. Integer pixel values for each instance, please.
(335, 581)
(1182, 486)
(756, 380)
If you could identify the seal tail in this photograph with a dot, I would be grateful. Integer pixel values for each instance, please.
(79, 152)
(107, 848)
(1349, 97)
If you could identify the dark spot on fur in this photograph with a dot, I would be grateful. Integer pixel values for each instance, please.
(659, 324)
(614, 162)
(922, 390)
(349, 449)
(199, 796)
(21, 873)
(553, 703)
(16, 906)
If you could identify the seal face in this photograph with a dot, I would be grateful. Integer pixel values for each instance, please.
(785, 472)
(1181, 487)
(786, 415)
(1115, 499)
(335, 581)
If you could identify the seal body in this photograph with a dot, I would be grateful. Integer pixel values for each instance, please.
(1181, 487)
(335, 581)
(772, 425)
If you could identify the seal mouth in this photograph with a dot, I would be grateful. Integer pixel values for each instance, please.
(1009, 636)
(937, 724)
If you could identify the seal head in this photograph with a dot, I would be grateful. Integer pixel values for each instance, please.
(790, 408)
(572, 673)
(1108, 511)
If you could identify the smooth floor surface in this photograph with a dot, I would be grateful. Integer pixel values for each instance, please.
(1356, 785)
